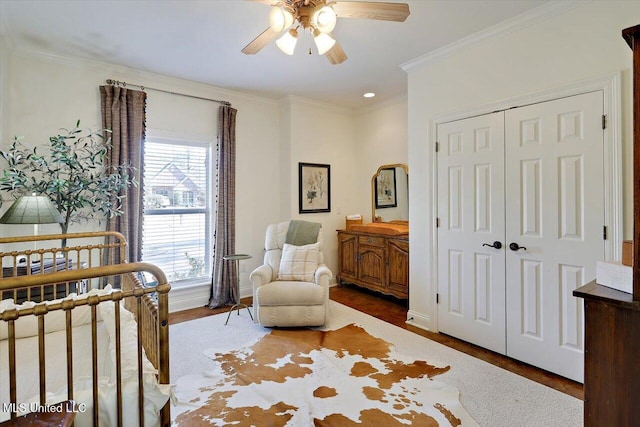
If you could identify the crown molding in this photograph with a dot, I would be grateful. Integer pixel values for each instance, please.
(508, 26)
(162, 81)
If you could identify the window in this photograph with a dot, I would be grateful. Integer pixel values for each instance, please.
(177, 209)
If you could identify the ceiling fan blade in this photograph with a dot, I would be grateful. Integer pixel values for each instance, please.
(336, 55)
(259, 42)
(372, 10)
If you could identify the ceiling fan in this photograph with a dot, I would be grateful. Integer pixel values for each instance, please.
(319, 16)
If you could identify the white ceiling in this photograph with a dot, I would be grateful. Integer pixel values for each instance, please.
(201, 41)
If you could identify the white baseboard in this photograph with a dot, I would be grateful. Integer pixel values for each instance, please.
(195, 296)
(419, 320)
(188, 297)
(246, 290)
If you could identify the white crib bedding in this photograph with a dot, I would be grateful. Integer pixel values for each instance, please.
(27, 375)
(27, 363)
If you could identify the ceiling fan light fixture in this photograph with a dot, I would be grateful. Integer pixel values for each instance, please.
(323, 41)
(319, 16)
(287, 43)
(280, 18)
(324, 19)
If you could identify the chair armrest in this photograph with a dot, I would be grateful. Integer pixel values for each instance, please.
(261, 275)
(323, 275)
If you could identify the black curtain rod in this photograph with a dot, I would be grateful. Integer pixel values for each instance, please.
(125, 84)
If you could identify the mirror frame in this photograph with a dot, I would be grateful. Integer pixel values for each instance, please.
(373, 184)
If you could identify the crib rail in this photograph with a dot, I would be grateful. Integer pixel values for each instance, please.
(31, 255)
(148, 304)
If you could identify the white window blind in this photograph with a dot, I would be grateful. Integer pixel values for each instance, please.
(177, 219)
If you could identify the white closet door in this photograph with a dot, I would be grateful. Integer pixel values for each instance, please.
(471, 212)
(555, 209)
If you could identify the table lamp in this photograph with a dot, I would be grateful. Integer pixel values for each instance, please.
(32, 210)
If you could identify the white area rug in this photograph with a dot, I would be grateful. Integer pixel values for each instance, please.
(491, 395)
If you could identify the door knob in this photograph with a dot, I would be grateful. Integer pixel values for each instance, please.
(515, 247)
(495, 244)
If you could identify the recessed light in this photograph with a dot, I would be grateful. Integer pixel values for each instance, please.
(369, 95)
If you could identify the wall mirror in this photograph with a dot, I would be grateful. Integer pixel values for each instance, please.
(390, 193)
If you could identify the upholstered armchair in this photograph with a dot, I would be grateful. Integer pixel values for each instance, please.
(291, 288)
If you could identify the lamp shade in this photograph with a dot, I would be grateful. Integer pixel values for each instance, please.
(324, 19)
(32, 210)
(324, 42)
(287, 43)
(279, 18)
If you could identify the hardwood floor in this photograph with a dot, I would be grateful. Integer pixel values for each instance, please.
(394, 311)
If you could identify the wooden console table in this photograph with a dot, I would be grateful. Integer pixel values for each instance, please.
(42, 293)
(612, 348)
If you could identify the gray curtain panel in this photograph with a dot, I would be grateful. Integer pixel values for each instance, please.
(224, 275)
(123, 112)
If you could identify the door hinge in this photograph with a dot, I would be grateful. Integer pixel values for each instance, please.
(437, 146)
(604, 232)
(437, 298)
(604, 121)
(437, 222)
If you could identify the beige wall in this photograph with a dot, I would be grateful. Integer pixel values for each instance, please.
(580, 43)
(4, 82)
(381, 138)
(325, 134)
(43, 93)
(48, 92)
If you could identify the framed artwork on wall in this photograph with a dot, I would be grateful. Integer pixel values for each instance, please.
(386, 189)
(314, 188)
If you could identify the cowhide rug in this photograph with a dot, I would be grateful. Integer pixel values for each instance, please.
(342, 377)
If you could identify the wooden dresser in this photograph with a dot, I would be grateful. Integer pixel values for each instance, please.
(612, 318)
(379, 262)
(612, 346)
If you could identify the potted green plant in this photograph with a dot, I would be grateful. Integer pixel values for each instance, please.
(72, 173)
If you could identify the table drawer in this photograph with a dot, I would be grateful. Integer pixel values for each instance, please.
(371, 241)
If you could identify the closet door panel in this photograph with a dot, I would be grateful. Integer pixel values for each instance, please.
(555, 197)
(471, 283)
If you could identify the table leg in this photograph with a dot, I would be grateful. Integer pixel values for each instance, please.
(237, 304)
